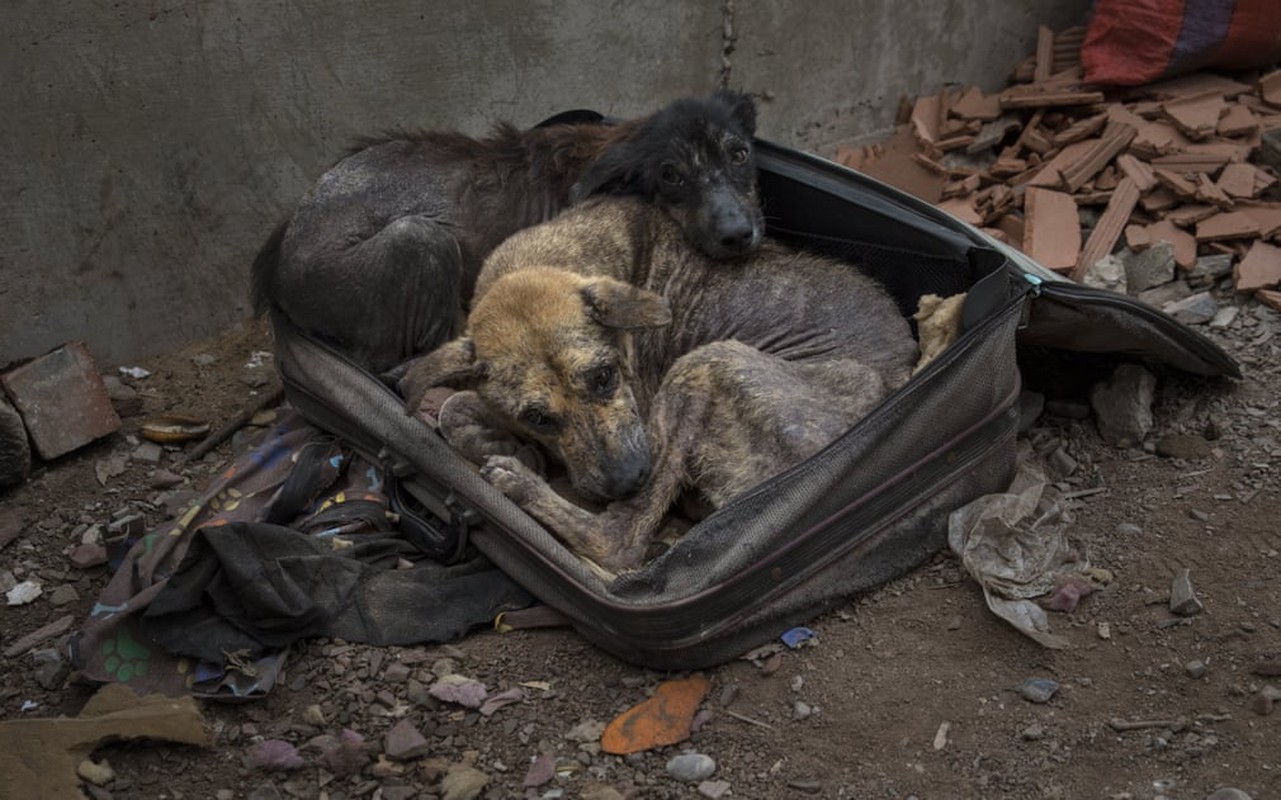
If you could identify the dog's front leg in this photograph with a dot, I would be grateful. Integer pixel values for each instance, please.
(617, 538)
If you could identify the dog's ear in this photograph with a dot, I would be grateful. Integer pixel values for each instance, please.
(615, 166)
(452, 364)
(615, 304)
(741, 108)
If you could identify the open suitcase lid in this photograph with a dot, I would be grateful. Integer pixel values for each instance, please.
(1064, 314)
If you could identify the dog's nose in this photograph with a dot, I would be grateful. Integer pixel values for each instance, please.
(737, 235)
(629, 476)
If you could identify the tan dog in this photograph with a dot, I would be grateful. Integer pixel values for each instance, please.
(647, 369)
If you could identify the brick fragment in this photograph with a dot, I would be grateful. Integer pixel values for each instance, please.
(62, 399)
(1052, 234)
(1260, 269)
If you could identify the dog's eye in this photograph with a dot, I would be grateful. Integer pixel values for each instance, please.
(739, 156)
(538, 419)
(603, 381)
(671, 176)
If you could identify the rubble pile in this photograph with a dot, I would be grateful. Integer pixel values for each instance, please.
(1164, 191)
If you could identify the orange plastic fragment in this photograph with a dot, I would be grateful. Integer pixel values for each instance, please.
(661, 720)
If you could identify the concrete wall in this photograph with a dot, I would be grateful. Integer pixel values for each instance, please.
(147, 148)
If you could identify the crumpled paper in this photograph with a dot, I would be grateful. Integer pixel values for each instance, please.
(1016, 546)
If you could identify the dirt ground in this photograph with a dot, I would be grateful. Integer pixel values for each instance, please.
(910, 691)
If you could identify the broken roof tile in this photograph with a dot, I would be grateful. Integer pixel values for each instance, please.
(1052, 228)
(1138, 171)
(1227, 225)
(1238, 121)
(1196, 116)
(1270, 88)
(973, 104)
(1242, 180)
(1184, 243)
(1260, 269)
(1109, 227)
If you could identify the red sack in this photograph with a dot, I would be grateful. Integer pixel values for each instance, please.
(1130, 42)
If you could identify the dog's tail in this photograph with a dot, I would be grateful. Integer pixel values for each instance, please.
(263, 273)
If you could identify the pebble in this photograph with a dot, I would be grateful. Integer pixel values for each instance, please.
(463, 783)
(1032, 733)
(1183, 599)
(1038, 690)
(63, 595)
(954, 624)
(802, 710)
(1195, 669)
(165, 479)
(312, 715)
(691, 767)
(714, 789)
(50, 669)
(729, 693)
(1129, 529)
(807, 786)
(99, 773)
(1228, 793)
(404, 741)
(274, 754)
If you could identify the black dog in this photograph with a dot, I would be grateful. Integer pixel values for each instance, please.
(380, 258)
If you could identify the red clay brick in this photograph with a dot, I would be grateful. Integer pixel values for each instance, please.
(62, 400)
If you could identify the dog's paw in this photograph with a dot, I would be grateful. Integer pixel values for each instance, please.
(511, 477)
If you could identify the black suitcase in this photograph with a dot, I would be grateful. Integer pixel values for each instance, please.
(868, 508)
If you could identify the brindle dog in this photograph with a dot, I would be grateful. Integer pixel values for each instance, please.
(646, 368)
(381, 256)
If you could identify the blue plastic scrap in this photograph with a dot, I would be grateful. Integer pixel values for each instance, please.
(797, 637)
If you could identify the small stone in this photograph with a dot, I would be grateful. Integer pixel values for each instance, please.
(50, 669)
(1123, 405)
(97, 773)
(1183, 599)
(63, 595)
(1162, 296)
(274, 754)
(808, 786)
(1183, 446)
(147, 453)
(463, 783)
(1032, 733)
(691, 767)
(396, 672)
(598, 791)
(729, 693)
(24, 593)
(165, 479)
(1129, 529)
(1061, 463)
(1151, 267)
(1195, 669)
(714, 789)
(1107, 273)
(312, 715)
(403, 742)
(1038, 690)
(586, 731)
(1224, 317)
(85, 556)
(458, 689)
(1209, 269)
(541, 772)
(1228, 793)
(954, 624)
(203, 359)
(802, 710)
(1195, 310)
(1104, 630)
